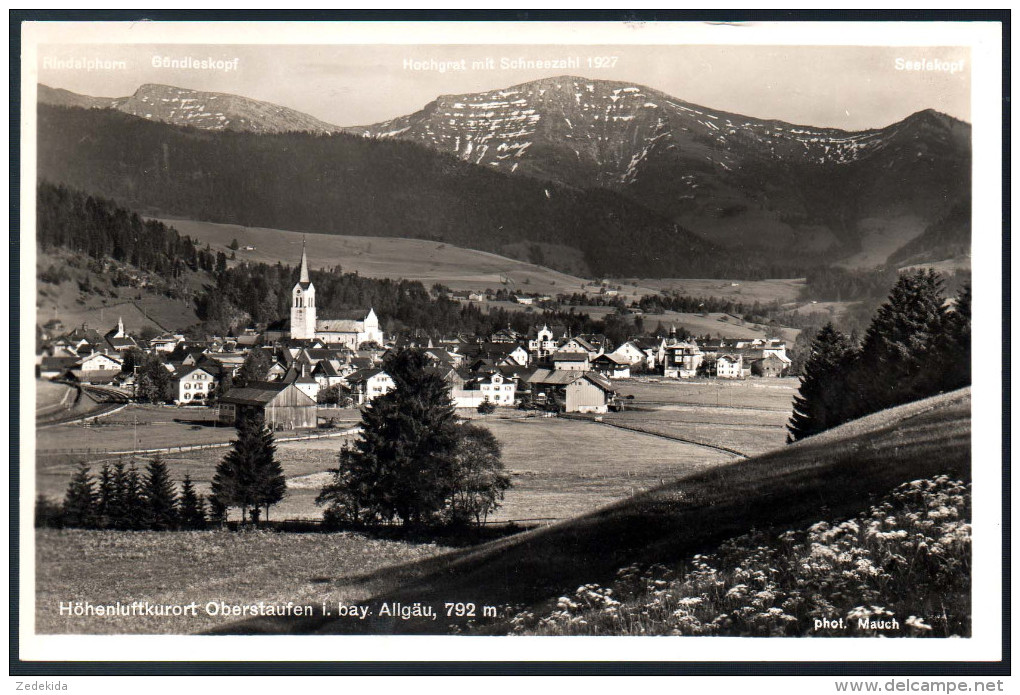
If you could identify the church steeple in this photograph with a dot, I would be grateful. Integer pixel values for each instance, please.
(304, 264)
(302, 305)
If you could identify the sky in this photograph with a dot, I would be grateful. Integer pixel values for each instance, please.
(849, 87)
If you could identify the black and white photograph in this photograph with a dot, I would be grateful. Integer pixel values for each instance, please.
(507, 331)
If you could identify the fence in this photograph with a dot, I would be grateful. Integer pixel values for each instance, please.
(191, 447)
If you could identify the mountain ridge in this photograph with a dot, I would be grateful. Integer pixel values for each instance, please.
(764, 186)
(198, 109)
(726, 176)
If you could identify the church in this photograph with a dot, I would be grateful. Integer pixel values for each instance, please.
(349, 330)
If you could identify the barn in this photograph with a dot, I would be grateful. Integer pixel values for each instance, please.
(571, 390)
(284, 405)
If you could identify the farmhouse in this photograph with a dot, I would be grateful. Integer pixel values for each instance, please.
(351, 329)
(579, 344)
(611, 366)
(367, 384)
(166, 342)
(193, 384)
(308, 384)
(572, 391)
(768, 364)
(283, 405)
(509, 354)
(571, 360)
(54, 367)
(495, 389)
(630, 353)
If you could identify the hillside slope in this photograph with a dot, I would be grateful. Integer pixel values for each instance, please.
(385, 257)
(829, 476)
(345, 184)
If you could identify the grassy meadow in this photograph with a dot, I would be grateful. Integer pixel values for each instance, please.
(50, 395)
(560, 468)
(180, 567)
(383, 257)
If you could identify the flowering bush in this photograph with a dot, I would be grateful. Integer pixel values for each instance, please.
(902, 568)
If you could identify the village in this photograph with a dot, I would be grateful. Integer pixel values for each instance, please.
(337, 362)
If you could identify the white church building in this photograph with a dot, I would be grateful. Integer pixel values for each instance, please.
(350, 330)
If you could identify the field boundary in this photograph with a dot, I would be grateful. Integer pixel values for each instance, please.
(194, 447)
(631, 428)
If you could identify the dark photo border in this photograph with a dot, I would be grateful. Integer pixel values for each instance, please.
(19, 667)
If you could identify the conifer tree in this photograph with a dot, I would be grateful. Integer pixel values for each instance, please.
(160, 496)
(404, 464)
(106, 497)
(956, 353)
(823, 396)
(80, 499)
(191, 508)
(117, 513)
(217, 510)
(132, 502)
(250, 476)
(900, 356)
(48, 514)
(270, 483)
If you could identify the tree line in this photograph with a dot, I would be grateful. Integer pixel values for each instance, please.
(915, 347)
(249, 478)
(122, 497)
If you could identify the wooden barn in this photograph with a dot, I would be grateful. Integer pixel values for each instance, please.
(572, 391)
(284, 405)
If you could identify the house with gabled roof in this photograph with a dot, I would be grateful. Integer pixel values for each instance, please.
(573, 360)
(367, 384)
(682, 360)
(611, 366)
(193, 384)
(572, 391)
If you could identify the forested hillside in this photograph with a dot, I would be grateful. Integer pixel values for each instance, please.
(345, 184)
(236, 295)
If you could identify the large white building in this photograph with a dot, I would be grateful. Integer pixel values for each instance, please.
(351, 330)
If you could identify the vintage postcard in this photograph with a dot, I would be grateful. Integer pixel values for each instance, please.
(392, 334)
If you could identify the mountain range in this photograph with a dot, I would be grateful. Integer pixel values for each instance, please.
(747, 187)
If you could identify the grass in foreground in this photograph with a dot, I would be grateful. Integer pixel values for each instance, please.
(902, 568)
(244, 567)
